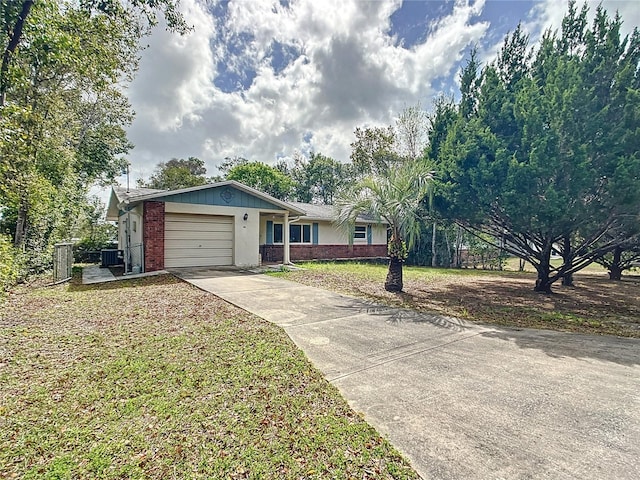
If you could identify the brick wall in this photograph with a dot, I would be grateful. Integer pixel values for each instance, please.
(274, 253)
(153, 236)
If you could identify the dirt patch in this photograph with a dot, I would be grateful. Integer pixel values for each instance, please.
(594, 305)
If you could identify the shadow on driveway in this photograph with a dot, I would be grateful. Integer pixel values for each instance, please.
(620, 350)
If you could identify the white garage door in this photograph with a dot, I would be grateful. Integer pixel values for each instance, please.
(197, 240)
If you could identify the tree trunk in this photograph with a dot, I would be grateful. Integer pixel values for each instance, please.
(394, 276)
(615, 269)
(615, 273)
(567, 262)
(21, 224)
(14, 39)
(459, 238)
(446, 239)
(543, 282)
(434, 263)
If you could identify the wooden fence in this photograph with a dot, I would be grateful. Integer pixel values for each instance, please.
(62, 261)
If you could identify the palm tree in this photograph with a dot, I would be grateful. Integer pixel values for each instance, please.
(396, 198)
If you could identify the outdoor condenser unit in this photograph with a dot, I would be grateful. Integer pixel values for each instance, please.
(110, 257)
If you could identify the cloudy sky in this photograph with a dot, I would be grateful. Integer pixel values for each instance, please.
(263, 79)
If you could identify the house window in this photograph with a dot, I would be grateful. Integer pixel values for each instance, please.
(300, 233)
(277, 233)
(360, 233)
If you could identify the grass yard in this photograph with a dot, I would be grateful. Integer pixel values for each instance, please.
(153, 378)
(595, 305)
(513, 264)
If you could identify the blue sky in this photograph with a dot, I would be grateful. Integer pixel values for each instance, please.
(267, 80)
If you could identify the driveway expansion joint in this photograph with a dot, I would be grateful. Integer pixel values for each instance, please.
(402, 356)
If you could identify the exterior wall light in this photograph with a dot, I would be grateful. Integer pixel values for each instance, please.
(246, 216)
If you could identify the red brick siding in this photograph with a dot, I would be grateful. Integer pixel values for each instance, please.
(274, 253)
(153, 236)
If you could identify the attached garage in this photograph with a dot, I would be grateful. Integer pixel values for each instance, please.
(210, 225)
(198, 240)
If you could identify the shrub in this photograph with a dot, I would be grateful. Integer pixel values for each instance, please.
(11, 264)
(87, 249)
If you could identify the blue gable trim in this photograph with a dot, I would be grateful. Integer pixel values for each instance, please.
(225, 196)
(314, 233)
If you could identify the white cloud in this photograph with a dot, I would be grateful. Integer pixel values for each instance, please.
(350, 72)
(549, 13)
(174, 81)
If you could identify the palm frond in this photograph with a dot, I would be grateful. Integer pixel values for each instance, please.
(395, 198)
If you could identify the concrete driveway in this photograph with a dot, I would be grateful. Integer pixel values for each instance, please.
(460, 400)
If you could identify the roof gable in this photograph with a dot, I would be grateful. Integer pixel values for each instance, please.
(228, 193)
(120, 194)
(225, 196)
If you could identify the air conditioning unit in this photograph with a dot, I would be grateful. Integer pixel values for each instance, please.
(111, 257)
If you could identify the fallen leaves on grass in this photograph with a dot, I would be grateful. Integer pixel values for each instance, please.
(152, 378)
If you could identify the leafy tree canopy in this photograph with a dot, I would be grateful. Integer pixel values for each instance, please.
(262, 177)
(319, 179)
(62, 110)
(177, 173)
(373, 150)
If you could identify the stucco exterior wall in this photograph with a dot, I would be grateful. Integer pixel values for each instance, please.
(131, 224)
(328, 233)
(379, 234)
(134, 219)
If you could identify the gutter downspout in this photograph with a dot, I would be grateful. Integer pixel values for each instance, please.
(127, 235)
(286, 260)
(127, 241)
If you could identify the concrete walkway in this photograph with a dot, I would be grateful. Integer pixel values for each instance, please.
(95, 274)
(459, 400)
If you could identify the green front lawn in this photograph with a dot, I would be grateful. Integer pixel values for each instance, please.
(595, 305)
(153, 378)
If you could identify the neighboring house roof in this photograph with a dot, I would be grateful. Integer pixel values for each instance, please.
(121, 196)
(327, 213)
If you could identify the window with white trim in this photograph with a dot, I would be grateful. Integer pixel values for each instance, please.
(360, 232)
(298, 233)
(277, 233)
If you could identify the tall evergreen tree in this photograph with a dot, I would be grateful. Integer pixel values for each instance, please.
(549, 158)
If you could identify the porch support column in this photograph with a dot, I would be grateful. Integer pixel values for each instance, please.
(285, 233)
